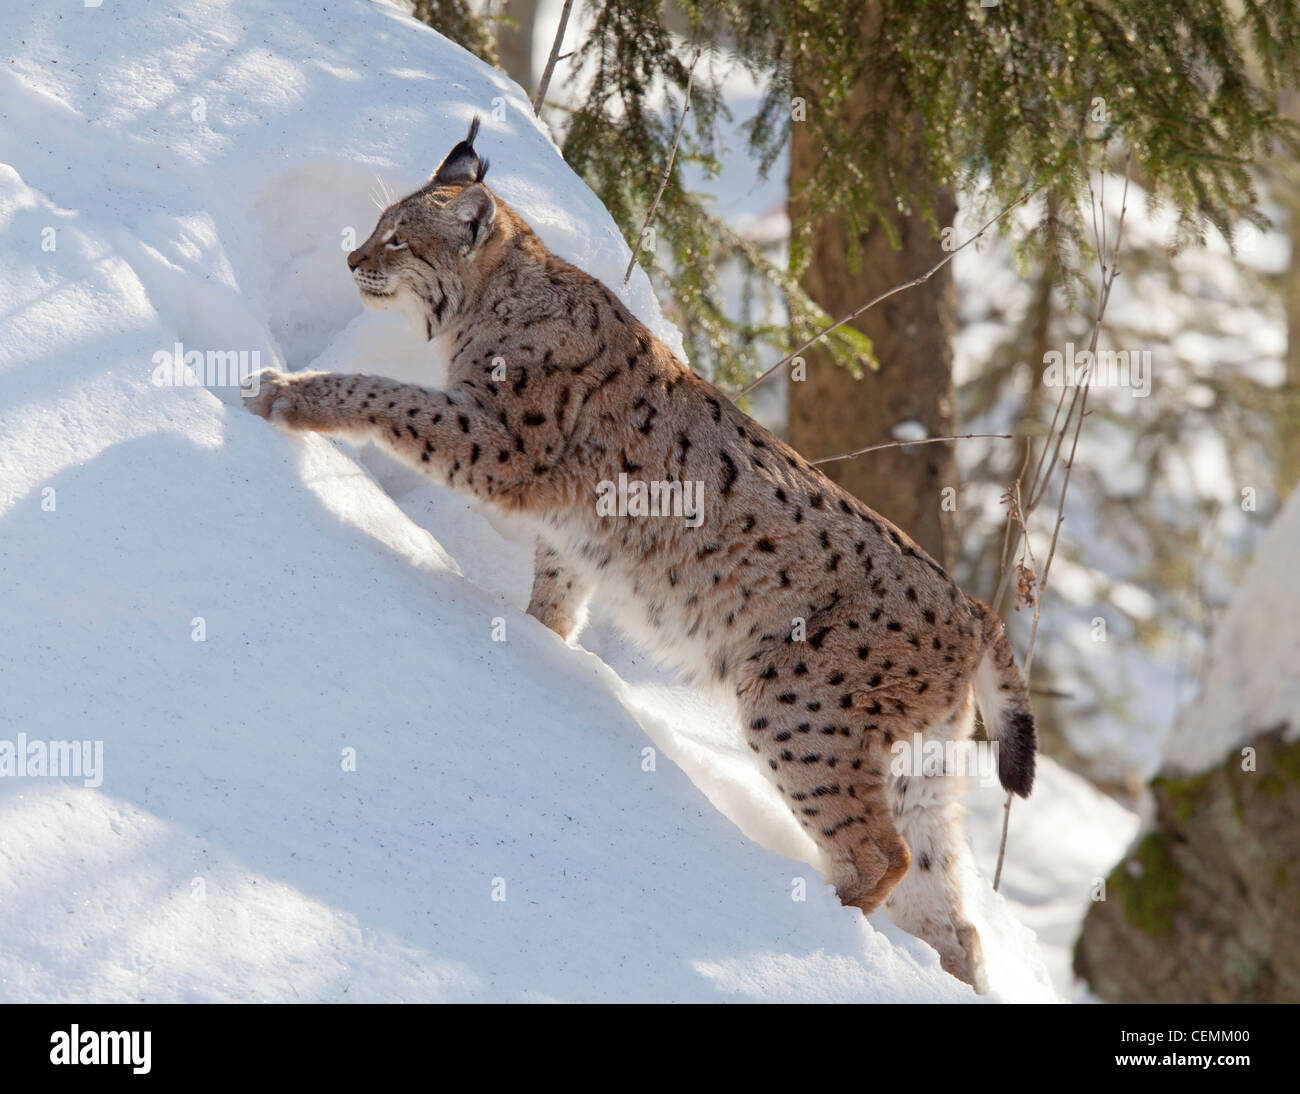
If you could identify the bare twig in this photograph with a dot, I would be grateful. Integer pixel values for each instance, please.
(1037, 485)
(1108, 275)
(904, 444)
(668, 170)
(1013, 498)
(1111, 274)
(884, 296)
(540, 97)
(1043, 475)
(1002, 846)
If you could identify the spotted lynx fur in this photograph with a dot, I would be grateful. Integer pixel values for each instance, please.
(833, 633)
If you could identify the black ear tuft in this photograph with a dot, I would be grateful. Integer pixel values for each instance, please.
(462, 165)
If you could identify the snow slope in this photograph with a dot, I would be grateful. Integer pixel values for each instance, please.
(323, 777)
(1251, 681)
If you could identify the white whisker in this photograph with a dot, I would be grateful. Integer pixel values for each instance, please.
(384, 198)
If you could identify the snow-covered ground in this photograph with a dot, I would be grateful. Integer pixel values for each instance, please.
(338, 761)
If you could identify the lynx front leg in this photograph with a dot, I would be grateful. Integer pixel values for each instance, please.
(927, 902)
(560, 595)
(447, 435)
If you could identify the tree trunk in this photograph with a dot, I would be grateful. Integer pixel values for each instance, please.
(1288, 417)
(831, 412)
(515, 44)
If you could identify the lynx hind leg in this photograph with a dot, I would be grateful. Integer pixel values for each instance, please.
(868, 858)
(837, 786)
(560, 595)
(928, 901)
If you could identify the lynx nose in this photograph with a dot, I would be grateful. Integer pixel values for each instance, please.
(355, 259)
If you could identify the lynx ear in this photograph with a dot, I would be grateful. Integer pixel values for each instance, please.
(462, 165)
(473, 211)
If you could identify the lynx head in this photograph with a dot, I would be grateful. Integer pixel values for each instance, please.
(418, 257)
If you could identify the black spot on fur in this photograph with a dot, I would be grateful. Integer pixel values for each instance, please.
(729, 473)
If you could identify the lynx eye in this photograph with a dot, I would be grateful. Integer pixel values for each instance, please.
(396, 241)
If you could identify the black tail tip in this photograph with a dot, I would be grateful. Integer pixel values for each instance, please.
(1017, 745)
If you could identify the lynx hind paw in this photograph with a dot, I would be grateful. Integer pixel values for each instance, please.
(269, 395)
(968, 965)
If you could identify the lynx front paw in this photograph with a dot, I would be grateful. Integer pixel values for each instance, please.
(271, 395)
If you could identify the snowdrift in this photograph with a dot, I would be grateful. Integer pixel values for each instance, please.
(338, 761)
(1251, 680)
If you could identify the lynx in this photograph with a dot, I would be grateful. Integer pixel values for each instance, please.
(831, 633)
